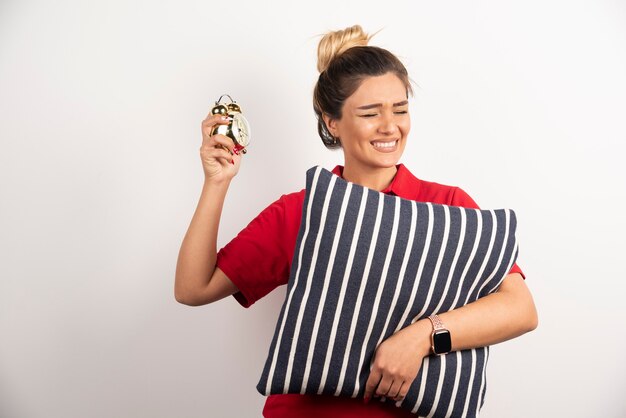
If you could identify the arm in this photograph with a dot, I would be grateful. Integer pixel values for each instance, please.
(505, 314)
(198, 280)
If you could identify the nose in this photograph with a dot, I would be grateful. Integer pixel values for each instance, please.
(387, 125)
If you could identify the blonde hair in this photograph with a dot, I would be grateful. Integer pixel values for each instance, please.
(344, 60)
(337, 42)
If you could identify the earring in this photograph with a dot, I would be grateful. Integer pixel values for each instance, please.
(335, 140)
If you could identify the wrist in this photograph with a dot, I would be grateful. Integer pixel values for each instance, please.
(214, 184)
(421, 331)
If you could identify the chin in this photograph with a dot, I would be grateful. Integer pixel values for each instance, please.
(389, 160)
(388, 163)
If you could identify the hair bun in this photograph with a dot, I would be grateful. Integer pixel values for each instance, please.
(337, 42)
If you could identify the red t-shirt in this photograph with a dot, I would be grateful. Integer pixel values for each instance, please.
(259, 258)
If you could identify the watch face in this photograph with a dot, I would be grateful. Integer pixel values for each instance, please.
(442, 342)
(241, 129)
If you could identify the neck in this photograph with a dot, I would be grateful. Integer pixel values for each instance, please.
(374, 178)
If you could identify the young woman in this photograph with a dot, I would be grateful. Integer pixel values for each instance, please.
(361, 103)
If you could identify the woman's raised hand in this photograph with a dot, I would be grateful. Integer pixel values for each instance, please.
(219, 162)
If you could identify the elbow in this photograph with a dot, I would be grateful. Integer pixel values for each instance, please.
(530, 318)
(181, 297)
(533, 320)
(523, 316)
(521, 301)
(191, 297)
(197, 292)
(185, 296)
(186, 299)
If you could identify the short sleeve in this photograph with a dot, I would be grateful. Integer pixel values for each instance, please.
(258, 259)
(461, 198)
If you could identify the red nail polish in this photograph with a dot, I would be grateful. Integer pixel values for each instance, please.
(366, 399)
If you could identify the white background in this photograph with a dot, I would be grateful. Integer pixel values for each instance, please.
(522, 104)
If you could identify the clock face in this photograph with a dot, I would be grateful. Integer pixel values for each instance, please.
(241, 129)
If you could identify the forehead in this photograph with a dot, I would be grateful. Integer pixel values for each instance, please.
(387, 88)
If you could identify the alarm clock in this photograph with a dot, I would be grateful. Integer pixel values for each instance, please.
(237, 129)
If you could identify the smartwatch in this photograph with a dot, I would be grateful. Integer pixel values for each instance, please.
(441, 343)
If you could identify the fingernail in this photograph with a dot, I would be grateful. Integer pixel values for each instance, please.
(224, 117)
(366, 399)
(232, 161)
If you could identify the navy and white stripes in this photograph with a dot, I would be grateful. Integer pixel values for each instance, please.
(365, 265)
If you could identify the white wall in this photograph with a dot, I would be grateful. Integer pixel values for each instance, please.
(520, 103)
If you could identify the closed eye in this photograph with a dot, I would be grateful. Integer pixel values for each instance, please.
(371, 115)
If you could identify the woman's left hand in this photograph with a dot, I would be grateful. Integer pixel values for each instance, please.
(397, 361)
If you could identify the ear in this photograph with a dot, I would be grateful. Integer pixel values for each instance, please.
(331, 125)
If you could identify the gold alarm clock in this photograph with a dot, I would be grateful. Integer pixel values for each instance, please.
(237, 129)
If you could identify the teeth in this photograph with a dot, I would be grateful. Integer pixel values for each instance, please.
(384, 144)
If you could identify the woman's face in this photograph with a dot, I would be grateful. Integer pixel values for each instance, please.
(374, 123)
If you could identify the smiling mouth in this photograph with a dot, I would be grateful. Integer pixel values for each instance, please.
(384, 144)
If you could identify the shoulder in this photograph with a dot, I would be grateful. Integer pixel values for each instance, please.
(273, 223)
(446, 195)
(289, 201)
(287, 205)
(431, 191)
(293, 198)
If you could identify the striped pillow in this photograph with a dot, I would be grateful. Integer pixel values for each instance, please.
(365, 265)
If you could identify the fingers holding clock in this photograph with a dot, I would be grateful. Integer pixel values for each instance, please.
(219, 147)
(217, 161)
(211, 139)
(216, 151)
(210, 122)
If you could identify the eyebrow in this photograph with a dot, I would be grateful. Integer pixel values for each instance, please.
(371, 106)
